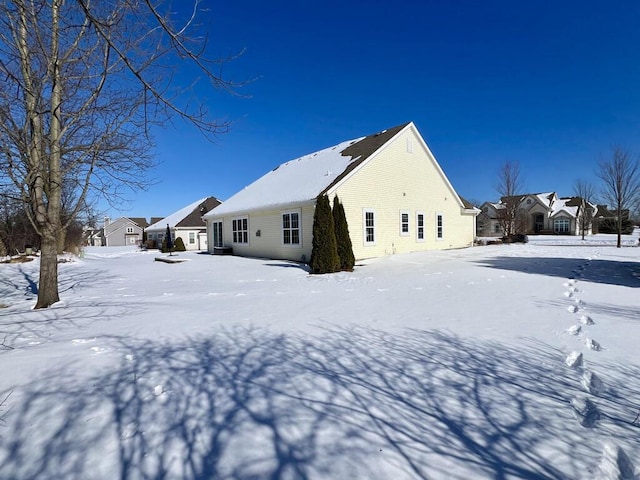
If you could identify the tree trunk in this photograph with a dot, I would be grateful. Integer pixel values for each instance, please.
(48, 283)
(61, 239)
(619, 245)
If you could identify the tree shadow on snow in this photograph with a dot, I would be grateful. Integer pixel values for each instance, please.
(351, 403)
(20, 324)
(626, 274)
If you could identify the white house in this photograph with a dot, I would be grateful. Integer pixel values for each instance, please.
(395, 195)
(186, 223)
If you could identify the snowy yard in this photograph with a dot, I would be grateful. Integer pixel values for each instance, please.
(443, 365)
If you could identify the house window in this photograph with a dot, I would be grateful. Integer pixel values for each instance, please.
(129, 229)
(528, 201)
(404, 224)
(291, 228)
(439, 227)
(132, 240)
(496, 228)
(420, 227)
(192, 238)
(561, 225)
(240, 230)
(369, 227)
(217, 234)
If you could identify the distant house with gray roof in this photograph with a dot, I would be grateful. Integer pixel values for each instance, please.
(120, 232)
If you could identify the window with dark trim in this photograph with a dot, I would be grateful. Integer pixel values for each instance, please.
(291, 228)
(420, 226)
(404, 224)
(369, 227)
(240, 229)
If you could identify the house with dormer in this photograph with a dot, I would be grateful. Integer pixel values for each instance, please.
(395, 195)
(538, 214)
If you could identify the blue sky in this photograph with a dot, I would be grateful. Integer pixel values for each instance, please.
(552, 85)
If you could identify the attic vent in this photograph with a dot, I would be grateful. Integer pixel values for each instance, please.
(275, 168)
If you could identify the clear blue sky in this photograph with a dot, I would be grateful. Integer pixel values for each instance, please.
(550, 84)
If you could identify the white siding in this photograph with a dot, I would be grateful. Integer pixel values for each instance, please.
(265, 234)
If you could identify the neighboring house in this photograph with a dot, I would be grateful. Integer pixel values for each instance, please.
(120, 232)
(92, 236)
(395, 195)
(488, 221)
(538, 213)
(605, 220)
(186, 223)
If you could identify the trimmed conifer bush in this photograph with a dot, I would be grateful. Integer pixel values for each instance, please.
(178, 246)
(324, 252)
(343, 240)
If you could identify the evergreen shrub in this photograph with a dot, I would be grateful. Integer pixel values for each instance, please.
(178, 246)
(324, 252)
(343, 240)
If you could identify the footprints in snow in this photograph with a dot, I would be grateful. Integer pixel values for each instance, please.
(584, 408)
(84, 341)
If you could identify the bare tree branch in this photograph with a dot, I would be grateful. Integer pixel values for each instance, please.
(585, 192)
(620, 176)
(81, 84)
(509, 187)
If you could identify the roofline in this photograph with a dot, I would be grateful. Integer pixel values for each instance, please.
(349, 172)
(264, 208)
(332, 188)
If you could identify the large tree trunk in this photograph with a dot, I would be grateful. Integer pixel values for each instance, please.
(48, 283)
(61, 239)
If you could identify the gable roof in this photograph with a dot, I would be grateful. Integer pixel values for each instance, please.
(189, 216)
(194, 219)
(118, 224)
(140, 221)
(303, 179)
(565, 205)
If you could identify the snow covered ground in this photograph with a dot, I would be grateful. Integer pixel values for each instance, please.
(502, 361)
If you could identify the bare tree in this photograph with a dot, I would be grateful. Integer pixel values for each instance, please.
(585, 193)
(82, 82)
(509, 188)
(620, 175)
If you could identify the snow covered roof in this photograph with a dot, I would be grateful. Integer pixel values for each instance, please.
(566, 205)
(304, 178)
(545, 198)
(177, 217)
